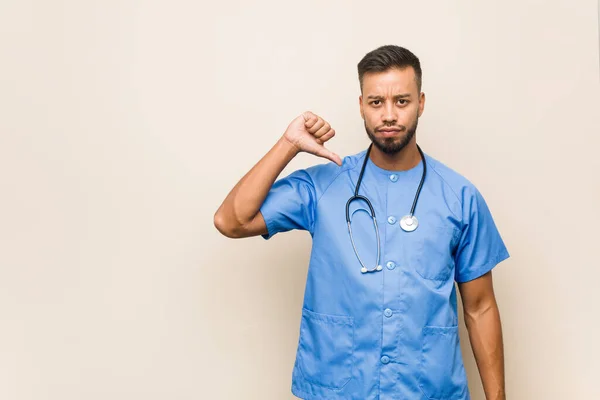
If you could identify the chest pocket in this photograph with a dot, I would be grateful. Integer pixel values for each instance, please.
(433, 253)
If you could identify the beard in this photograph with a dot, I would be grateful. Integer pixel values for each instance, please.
(390, 145)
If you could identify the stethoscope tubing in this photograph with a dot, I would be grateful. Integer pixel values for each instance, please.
(356, 196)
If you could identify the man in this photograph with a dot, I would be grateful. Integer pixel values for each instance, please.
(379, 319)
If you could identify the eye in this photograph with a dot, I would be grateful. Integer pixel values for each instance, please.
(402, 102)
(375, 102)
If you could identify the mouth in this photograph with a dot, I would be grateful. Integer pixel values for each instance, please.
(389, 132)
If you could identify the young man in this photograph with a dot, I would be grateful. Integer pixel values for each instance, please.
(379, 319)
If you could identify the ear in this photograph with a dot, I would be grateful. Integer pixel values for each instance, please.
(360, 105)
(421, 103)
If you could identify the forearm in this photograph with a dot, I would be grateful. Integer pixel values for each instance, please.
(485, 334)
(244, 201)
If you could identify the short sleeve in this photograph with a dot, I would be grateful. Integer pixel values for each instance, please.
(480, 247)
(290, 204)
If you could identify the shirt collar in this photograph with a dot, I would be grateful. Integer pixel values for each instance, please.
(409, 174)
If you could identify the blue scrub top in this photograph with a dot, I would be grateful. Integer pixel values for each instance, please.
(391, 334)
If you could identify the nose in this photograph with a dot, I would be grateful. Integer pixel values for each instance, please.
(389, 114)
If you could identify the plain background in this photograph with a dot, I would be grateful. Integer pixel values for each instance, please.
(124, 124)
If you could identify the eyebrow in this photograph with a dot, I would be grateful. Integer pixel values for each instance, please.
(398, 96)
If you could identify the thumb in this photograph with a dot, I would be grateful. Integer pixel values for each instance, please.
(325, 153)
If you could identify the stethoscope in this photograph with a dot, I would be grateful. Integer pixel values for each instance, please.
(408, 223)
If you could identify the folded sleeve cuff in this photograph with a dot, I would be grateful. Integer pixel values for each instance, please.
(477, 272)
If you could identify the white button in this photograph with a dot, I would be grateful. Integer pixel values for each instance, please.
(393, 177)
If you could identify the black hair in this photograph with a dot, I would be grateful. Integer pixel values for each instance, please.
(387, 57)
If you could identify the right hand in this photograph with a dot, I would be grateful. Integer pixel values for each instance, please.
(308, 132)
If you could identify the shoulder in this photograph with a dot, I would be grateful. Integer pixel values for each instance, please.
(454, 181)
(323, 175)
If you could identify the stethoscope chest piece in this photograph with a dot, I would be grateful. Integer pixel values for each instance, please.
(409, 223)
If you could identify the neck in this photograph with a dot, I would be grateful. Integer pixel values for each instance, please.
(409, 157)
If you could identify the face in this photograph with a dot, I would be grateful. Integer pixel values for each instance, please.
(390, 105)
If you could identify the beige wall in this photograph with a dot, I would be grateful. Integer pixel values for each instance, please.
(124, 124)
